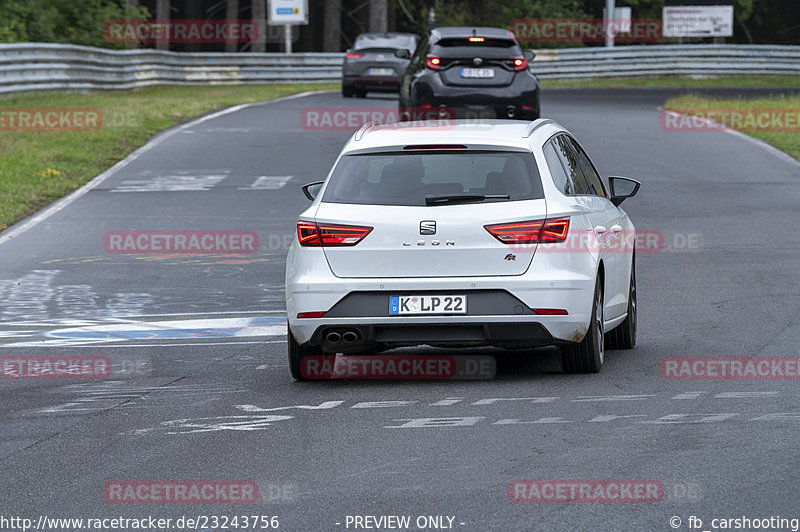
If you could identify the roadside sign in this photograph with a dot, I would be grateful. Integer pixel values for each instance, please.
(698, 21)
(287, 12)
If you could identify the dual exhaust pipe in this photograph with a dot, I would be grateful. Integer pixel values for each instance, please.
(511, 112)
(335, 337)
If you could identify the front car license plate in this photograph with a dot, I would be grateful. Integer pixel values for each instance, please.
(428, 304)
(381, 72)
(477, 73)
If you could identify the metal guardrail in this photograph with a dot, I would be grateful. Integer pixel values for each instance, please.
(41, 66)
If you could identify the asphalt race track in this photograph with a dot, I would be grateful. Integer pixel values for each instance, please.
(200, 386)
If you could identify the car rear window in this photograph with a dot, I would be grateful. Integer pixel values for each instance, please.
(398, 42)
(465, 41)
(406, 178)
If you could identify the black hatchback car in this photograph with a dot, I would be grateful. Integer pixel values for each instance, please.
(471, 72)
(376, 62)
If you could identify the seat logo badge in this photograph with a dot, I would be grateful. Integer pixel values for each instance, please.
(511, 256)
(427, 227)
(477, 61)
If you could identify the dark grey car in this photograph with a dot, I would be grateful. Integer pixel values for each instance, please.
(376, 62)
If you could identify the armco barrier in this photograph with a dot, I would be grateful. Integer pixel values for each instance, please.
(40, 66)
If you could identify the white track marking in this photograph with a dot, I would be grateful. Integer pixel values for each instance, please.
(59, 205)
(758, 142)
(268, 182)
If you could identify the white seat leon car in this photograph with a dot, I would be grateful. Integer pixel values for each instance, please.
(500, 233)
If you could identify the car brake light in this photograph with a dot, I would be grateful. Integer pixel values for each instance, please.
(531, 232)
(516, 233)
(520, 63)
(316, 234)
(433, 62)
(353, 55)
(555, 231)
(476, 39)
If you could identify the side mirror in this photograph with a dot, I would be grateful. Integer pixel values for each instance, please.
(312, 189)
(402, 54)
(622, 188)
(530, 55)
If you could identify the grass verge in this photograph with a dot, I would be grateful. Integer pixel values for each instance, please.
(758, 117)
(38, 167)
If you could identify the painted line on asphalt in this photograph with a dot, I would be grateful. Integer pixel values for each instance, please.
(64, 202)
(758, 142)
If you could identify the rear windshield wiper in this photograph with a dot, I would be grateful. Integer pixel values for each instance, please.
(436, 199)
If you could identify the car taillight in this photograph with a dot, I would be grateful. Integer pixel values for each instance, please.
(353, 55)
(520, 63)
(476, 39)
(554, 231)
(531, 232)
(433, 62)
(318, 234)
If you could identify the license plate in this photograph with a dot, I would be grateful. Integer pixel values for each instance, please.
(477, 72)
(428, 304)
(380, 72)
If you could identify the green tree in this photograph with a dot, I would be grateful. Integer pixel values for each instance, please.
(62, 21)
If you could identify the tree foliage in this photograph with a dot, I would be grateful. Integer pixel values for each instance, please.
(62, 21)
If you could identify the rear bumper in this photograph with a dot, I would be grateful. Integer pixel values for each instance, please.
(481, 102)
(374, 84)
(505, 320)
(376, 336)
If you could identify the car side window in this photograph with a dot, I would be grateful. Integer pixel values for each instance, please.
(592, 177)
(560, 178)
(570, 161)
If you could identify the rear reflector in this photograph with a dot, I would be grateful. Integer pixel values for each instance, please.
(550, 311)
(353, 55)
(531, 232)
(311, 314)
(317, 234)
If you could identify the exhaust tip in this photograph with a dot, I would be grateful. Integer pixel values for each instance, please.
(333, 337)
(349, 337)
(442, 112)
(511, 112)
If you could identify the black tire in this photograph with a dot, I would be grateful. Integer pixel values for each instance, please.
(587, 355)
(623, 336)
(297, 353)
(347, 92)
(361, 93)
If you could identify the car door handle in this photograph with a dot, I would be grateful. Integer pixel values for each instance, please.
(600, 229)
(616, 228)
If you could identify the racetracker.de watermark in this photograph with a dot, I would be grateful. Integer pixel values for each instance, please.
(180, 31)
(586, 491)
(722, 119)
(551, 30)
(625, 241)
(181, 242)
(352, 118)
(180, 492)
(55, 367)
(50, 119)
(703, 368)
(398, 367)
